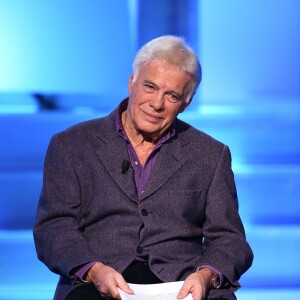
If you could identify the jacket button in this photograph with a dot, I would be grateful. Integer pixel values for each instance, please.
(139, 250)
(144, 212)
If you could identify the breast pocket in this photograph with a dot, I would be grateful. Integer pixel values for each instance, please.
(186, 205)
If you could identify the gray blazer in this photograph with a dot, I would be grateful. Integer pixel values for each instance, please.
(89, 211)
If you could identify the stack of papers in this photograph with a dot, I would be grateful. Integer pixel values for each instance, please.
(160, 291)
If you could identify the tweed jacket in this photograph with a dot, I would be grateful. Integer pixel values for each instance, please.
(89, 211)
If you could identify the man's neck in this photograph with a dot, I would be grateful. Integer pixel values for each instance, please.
(142, 144)
(135, 137)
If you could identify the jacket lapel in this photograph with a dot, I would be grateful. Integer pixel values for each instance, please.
(111, 150)
(171, 157)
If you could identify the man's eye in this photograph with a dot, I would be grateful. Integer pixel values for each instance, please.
(149, 87)
(174, 98)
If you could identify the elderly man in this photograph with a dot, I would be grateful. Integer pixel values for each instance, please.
(140, 196)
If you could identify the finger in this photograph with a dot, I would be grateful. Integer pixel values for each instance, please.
(110, 292)
(126, 288)
(184, 291)
(115, 293)
(123, 285)
(105, 296)
(108, 288)
(197, 294)
(103, 292)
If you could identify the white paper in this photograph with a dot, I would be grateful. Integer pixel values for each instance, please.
(160, 291)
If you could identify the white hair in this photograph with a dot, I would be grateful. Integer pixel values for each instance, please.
(175, 52)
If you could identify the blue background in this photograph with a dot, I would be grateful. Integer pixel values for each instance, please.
(65, 61)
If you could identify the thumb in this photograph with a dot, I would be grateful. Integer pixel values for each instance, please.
(124, 286)
(184, 291)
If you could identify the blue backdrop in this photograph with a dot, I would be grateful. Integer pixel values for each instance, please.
(62, 62)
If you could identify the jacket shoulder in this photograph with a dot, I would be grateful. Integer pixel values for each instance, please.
(195, 136)
(88, 128)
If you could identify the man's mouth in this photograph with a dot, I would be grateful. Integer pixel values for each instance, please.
(151, 117)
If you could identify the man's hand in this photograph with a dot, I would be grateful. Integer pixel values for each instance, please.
(197, 284)
(107, 280)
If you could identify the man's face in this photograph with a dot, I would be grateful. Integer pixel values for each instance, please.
(157, 94)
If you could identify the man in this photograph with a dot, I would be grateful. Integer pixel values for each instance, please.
(140, 196)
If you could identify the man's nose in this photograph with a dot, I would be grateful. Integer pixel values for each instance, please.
(157, 102)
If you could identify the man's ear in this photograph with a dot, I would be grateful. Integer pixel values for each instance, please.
(185, 105)
(130, 83)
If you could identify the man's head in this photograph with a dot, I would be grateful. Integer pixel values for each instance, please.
(166, 74)
(173, 51)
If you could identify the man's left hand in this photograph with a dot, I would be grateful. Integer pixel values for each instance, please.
(197, 284)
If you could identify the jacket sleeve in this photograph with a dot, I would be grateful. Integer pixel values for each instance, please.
(59, 242)
(225, 245)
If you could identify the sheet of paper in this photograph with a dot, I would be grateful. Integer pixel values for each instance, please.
(160, 291)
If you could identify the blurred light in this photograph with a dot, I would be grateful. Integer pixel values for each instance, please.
(18, 109)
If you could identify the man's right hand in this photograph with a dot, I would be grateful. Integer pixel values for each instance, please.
(107, 280)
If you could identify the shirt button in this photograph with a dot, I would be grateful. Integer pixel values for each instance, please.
(139, 250)
(144, 212)
(136, 162)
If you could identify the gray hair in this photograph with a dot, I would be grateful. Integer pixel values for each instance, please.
(174, 51)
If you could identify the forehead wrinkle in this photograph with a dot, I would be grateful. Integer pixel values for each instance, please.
(166, 89)
(159, 78)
